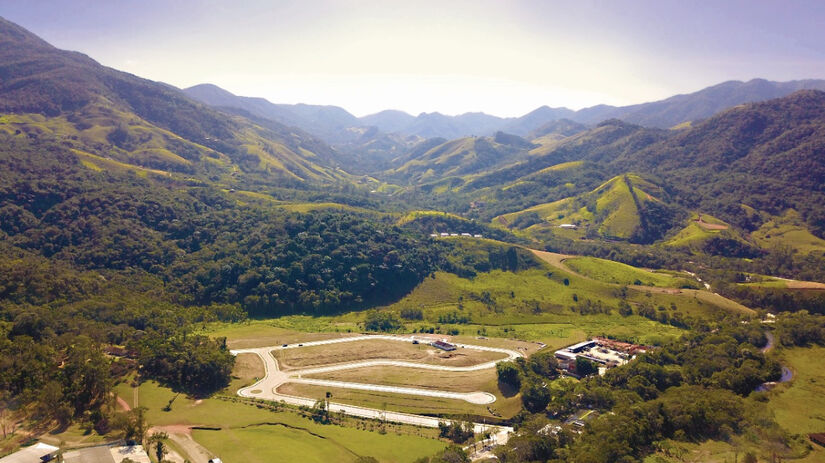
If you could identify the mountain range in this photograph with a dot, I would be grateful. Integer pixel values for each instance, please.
(745, 164)
(108, 115)
(335, 125)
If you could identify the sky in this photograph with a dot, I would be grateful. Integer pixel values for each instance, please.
(452, 56)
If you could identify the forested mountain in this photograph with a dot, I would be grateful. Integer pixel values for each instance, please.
(102, 112)
(331, 123)
(626, 207)
(335, 125)
(460, 157)
(768, 156)
(697, 105)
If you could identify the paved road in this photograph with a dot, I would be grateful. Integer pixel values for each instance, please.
(266, 388)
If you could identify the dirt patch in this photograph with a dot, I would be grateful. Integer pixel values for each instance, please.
(182, 429)
(280, 338)
(248, 366)
(453, 381)
(806, 285)
(710, 226)
(553, 258)
(332, 354)
(123, 404)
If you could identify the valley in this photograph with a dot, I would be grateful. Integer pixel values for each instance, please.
(207, 275)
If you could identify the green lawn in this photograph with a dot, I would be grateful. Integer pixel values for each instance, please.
(269, 443)
(250, 434)
(799, 406)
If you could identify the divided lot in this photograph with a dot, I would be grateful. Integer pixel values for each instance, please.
(261, 334)
(311, 356)
(405, 403)
(463, 381)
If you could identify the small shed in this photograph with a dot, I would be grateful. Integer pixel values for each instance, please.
(443, 345)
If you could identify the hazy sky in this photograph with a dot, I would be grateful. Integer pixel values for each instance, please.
(502, 57)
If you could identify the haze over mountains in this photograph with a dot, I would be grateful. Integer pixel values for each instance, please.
(114, 120)
(335, 125)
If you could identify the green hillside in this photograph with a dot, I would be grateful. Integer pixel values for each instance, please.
(461, 157)
(626, 207)
(69, 98)
(788, 230)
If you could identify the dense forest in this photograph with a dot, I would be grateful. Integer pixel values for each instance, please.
(698, 387)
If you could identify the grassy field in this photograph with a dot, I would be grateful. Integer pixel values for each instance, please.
(251, 434)
(471, 381)
(788, 230)
(280, 442)
(263, 333)
(779, 283)
(695, 233)
(506, 407)
(799, 406)
(622, 274)
(379, 349)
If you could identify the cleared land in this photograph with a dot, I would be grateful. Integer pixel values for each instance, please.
(459, 381)
(470, 381)
(248, 369)
(780, 283)
(402, 403)
(290, 359)
(251, 434)
(262, 334)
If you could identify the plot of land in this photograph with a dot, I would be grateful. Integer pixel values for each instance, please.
(252, 435)
(403, 403)
(247, 335)
(290, 359)
(248, 369)
(787, 284)
(463, 381)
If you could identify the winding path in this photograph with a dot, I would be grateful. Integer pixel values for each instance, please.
(274, 377)
(787, 373)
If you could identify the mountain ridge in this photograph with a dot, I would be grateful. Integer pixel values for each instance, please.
(666, 113)
(99, 110)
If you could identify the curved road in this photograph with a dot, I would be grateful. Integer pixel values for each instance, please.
(266, 388)
(787, 373)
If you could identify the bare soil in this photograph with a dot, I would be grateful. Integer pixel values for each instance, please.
(290, 359)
